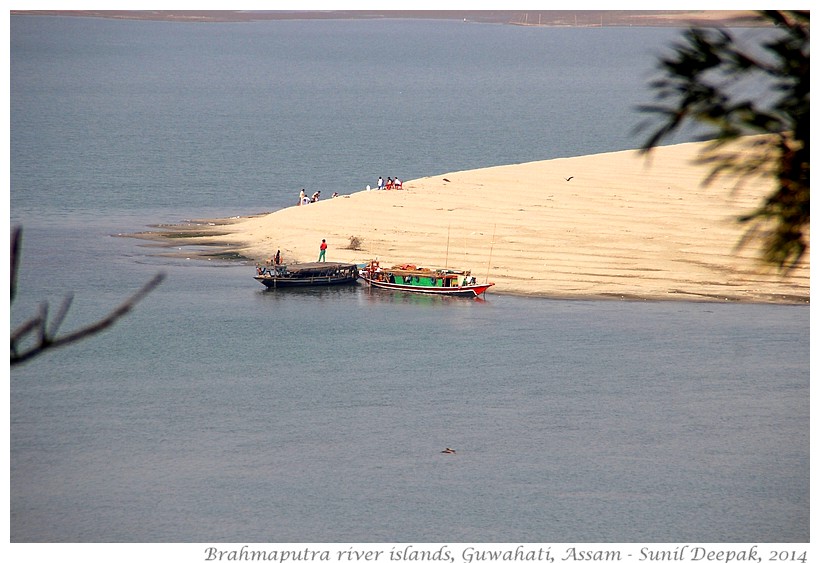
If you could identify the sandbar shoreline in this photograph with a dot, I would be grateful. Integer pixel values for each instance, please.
(618, 225)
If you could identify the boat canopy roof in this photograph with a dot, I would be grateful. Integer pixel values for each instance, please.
(305, 267)
(318, 265)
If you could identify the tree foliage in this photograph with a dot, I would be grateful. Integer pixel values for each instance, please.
(706, 81)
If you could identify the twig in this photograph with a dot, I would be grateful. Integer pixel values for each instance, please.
(47, 335)
(48, 340)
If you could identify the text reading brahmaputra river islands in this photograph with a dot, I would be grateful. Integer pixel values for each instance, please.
(521, 553)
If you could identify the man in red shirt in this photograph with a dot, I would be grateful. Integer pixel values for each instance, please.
(322, 249)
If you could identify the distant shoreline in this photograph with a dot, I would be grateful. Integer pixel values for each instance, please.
(541, 18)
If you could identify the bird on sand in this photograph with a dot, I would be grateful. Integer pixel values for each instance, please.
(570, 178)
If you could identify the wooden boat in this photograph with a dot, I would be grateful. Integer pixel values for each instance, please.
(306, 274)
(409, 277)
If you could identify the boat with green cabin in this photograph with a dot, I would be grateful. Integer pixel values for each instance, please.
(414, 279)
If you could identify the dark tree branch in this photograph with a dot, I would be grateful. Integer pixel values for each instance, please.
(46, 333)
(15, 258)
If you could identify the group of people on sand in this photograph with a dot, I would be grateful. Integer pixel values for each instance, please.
(304, 199)
(390, 184)
(381, 184)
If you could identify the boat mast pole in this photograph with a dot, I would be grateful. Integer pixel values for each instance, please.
(447, 252)
(490, 259)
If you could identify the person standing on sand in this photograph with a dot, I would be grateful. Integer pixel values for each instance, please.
(277, 259)
(322, 250)
(301, 197)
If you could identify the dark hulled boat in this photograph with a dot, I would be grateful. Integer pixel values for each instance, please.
(307, 274)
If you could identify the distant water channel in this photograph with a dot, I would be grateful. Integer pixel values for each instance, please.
(220, 412)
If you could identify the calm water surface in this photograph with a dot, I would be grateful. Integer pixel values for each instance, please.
(218, 411)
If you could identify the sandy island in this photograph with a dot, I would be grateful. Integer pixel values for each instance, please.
(614, 225)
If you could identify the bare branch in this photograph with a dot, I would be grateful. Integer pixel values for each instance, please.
(47, 342)
(61, 314)
(15, 258)
(47, 338)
